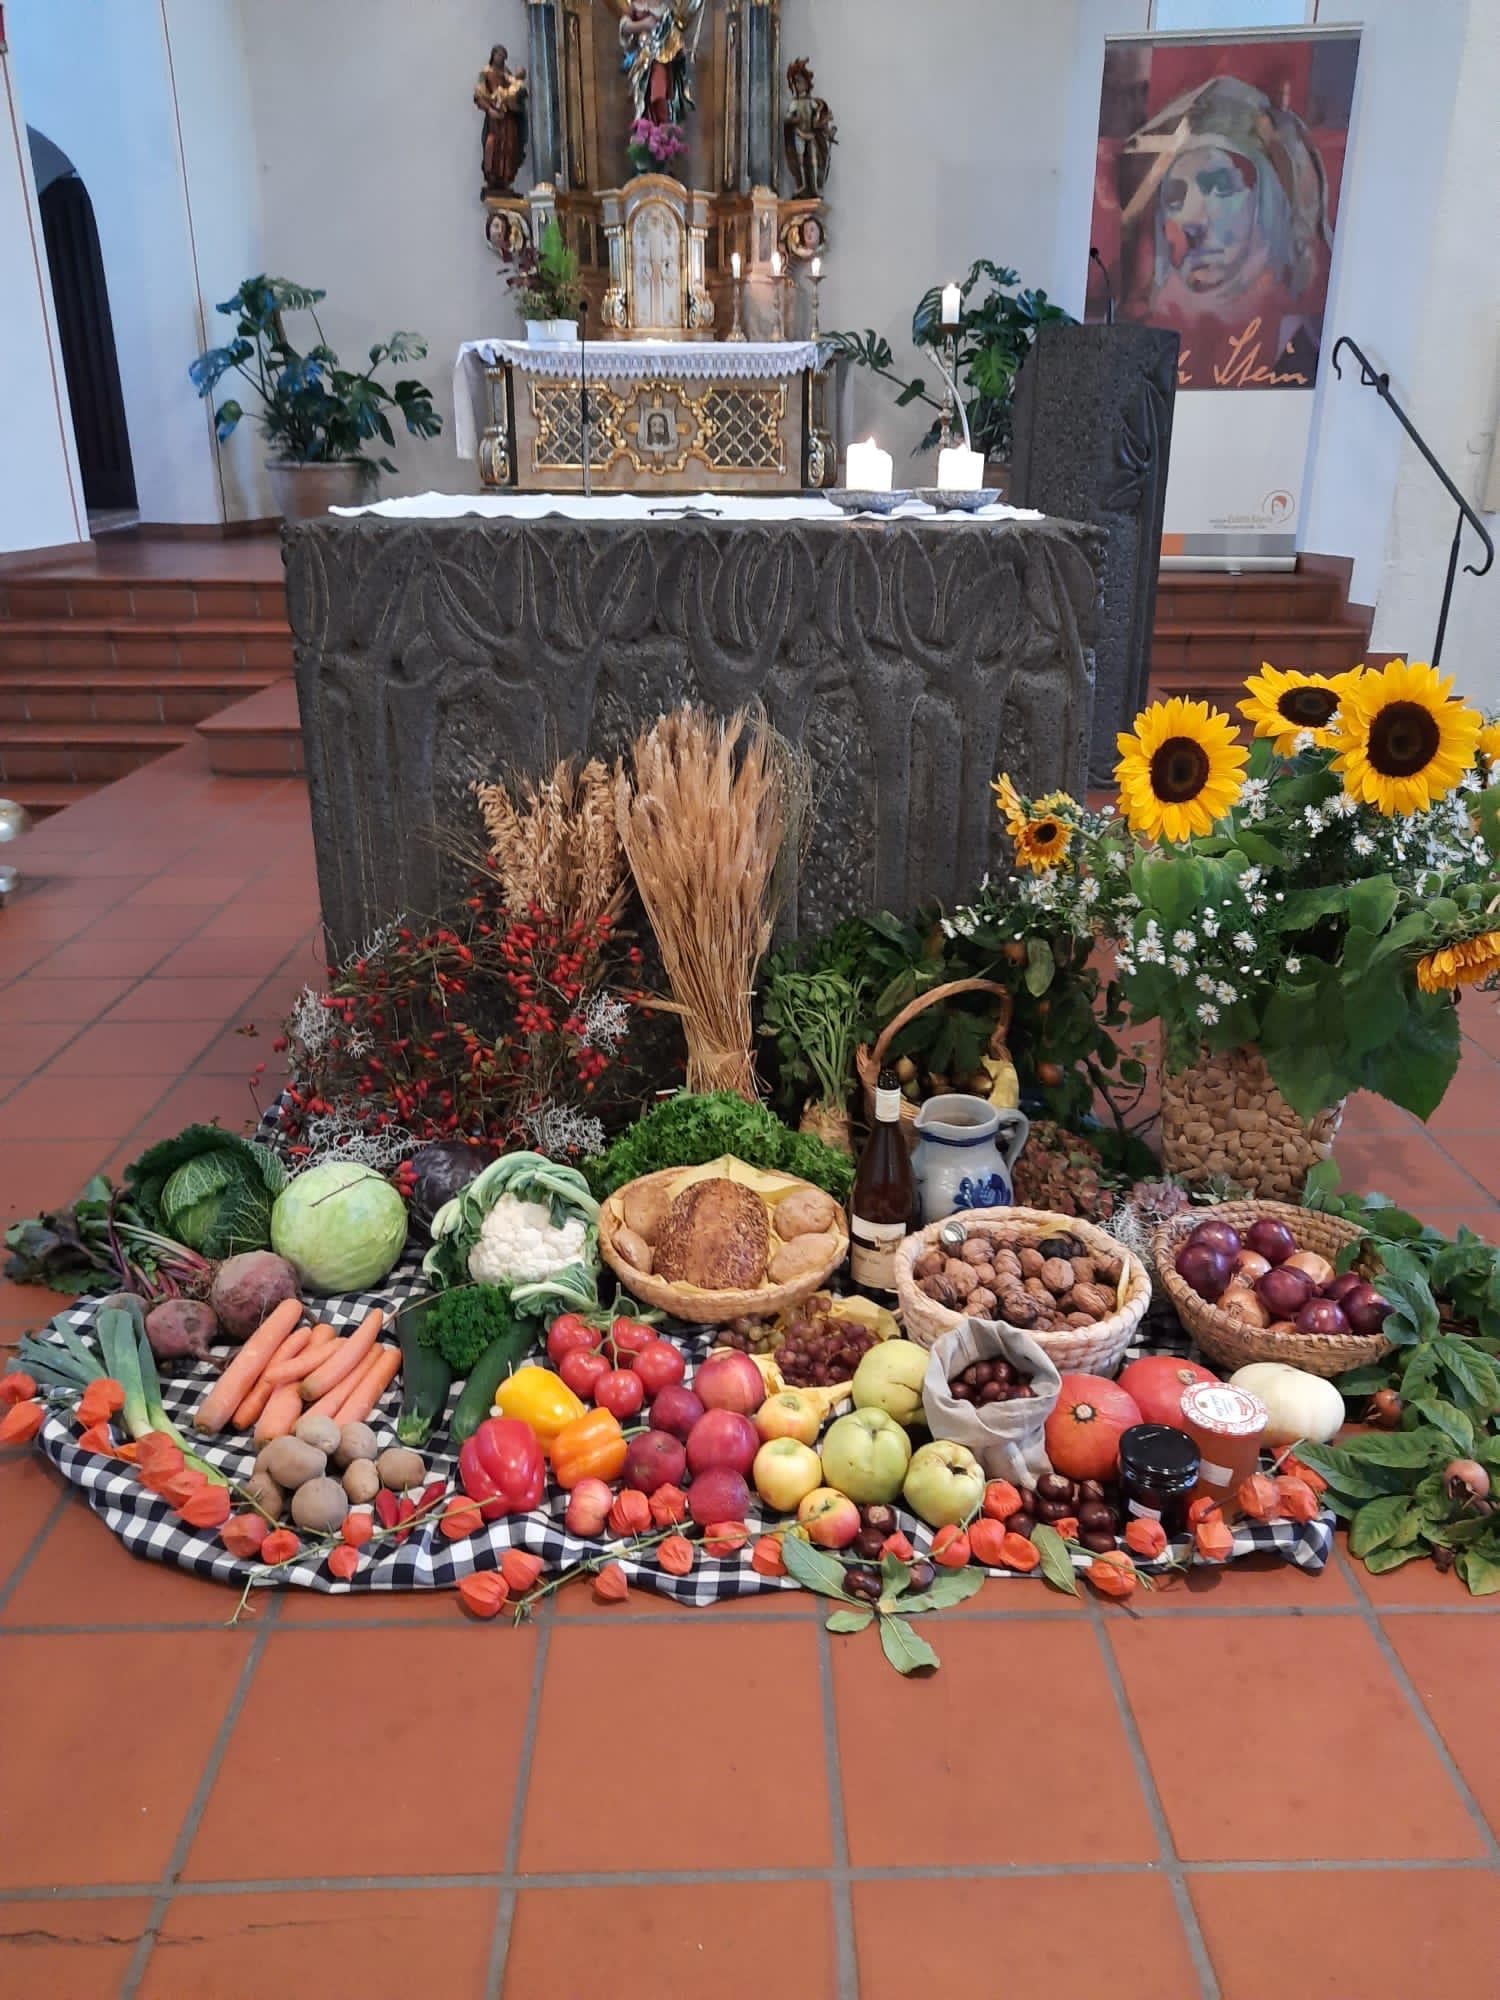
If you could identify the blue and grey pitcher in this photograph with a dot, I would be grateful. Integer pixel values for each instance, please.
(966, 1152)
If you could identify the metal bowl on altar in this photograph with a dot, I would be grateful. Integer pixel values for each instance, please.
(852, 501)
(956, 500)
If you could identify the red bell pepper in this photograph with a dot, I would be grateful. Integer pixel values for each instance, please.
(502, 1467)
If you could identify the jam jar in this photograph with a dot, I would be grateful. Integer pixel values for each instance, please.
(1227, 1425)
(1158, 1470)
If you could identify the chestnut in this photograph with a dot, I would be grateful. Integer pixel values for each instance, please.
(1094, 1514)
(922, 1574)
(1091, 1489)
(1096, 1540)
(1053, 1486)
(863, 1583)
(869, 1544)
(1053, 1510)
(881, 1517)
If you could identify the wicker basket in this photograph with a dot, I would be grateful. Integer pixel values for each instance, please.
(1090, 1350)
(1229, 1341)
(869, 1062)
(1224, 1117)
(689, 1302)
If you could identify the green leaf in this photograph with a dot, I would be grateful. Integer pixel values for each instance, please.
(948, 1587)
(1416, 1065)
(1376, 1522)
(812, 1568)
(1471, 1372)
(848, 1621)
(1447, 1418)
(1404, 1451)
(1481, 1572)
(1041, 966)
(1372, 902)
(907, 1652)
(1378, 1561)
(895, 1576)
(1057, 1564)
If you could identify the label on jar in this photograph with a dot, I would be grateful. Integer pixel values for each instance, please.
(1215, 1475)
(872, 1253)
(1146, 1513)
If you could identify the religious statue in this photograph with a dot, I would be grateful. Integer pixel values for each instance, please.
(500, 94)
(658, 60)
(810, 133)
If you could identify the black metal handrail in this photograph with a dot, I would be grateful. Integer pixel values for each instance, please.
(1380, 381)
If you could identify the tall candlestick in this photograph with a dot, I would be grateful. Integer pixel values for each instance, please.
(736, 267)
(816, 273)
(868, 469)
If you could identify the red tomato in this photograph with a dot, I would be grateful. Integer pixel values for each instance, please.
(658, 1364)
(1083, 1431)
(620, 1391)
(581, 1368)
(631, 1336)
(568, 1332)
(1156, 1382)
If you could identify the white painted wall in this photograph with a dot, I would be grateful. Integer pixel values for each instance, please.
(41, 498)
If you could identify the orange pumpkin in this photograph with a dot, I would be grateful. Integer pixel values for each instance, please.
(1084, 1430)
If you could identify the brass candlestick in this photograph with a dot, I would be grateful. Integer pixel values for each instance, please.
(945, 422)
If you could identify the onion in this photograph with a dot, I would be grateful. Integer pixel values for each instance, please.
(1365, 1310)
(1240, 1302)
(1284, 1293)
(1249, 1266)
(1204, 1266)
(1317, 1268)
(1270, 1239)
(1322, 1316)
(1220, 1234)
(1347, 1281)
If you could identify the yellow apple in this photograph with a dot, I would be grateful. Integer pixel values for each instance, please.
(789, 1415)
(828, 1518)
(785, 1472)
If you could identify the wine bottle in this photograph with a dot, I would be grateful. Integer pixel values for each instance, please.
(883, 1203)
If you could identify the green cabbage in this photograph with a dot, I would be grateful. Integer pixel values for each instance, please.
(340, 1225)
(208, 1189)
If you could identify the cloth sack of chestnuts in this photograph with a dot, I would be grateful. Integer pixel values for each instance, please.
(1006, 1437)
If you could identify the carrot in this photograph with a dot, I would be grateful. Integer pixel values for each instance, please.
(351, 1355)
(226, 1395)
(260, 1395)
(248, 1413)
(294, 1367)
(370, 1385)
(283, 1408)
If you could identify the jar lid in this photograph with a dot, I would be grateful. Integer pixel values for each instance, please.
(1158, 1455)
(1223, 1409)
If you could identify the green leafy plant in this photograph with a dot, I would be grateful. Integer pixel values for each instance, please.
(998, 322)
(905, 1648)
(313, 411)
(691, 1128)
(813, 1017)
(545, 279)
(209, 1189)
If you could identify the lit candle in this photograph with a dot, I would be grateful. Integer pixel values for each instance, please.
(817, 267)
(775, 263)
(868, 469)
(953, 305)
(959, 470)
(734, 264)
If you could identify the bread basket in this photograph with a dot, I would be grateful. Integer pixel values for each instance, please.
(1089, 1350)
(1230, 1341)
(871, 1061)
(691, 1302)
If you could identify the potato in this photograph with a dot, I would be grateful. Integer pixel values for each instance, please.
(291, 1463)
(401, 1468)
(645, 1210)
(806, 1211)
(634, 1249)
(361, 1480)
(320, 1506)
(322, 1433)
(267, 1495)
(356, 1441)
(800, 1257)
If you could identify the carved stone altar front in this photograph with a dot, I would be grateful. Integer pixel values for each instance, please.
(910, 659)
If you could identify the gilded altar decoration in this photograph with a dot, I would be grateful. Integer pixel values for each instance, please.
(500, 94)
(809, 135)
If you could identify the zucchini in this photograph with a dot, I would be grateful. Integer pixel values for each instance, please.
(488, 1372)
(425, 1377)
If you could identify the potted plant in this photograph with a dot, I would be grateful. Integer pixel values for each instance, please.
(545, 280)
(317, 417)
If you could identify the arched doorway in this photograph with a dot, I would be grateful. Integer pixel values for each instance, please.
(85, 330)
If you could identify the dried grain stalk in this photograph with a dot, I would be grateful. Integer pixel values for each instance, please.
(554, 842)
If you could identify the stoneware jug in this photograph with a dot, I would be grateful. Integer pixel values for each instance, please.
(966, 1149)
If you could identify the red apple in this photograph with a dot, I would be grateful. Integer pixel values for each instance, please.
(730, 1382)
(718, 1495)
(588, 1508)
(722, 1438)
(675, 1409)
(828, 1518)
(654, 1459)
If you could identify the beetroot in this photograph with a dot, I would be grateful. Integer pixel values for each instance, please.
(247, 1288)
(181, 1330)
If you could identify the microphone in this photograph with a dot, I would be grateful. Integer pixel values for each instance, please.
(1109, 290)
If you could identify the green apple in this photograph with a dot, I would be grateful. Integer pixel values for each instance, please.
(890, 1378)
(866, 1455)
(785, 1472)
(945, 1483)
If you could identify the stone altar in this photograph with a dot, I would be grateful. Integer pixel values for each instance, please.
(910, 658)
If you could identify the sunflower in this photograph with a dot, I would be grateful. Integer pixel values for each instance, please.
(1041, 842)
(1008, 802)
(1489, 748)
(1180, 771)
(1403, 741)
(1285, 705)
(1461, 964)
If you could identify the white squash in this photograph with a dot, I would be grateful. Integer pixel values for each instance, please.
(1301, 1405)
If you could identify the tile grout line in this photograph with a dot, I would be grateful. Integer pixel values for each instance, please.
(187, 1832)
(1418, 1708)
(846, 1955)
(54, 1515)
(1171, 1861)
(505, 1908)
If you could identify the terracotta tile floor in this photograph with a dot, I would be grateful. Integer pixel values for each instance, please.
(1262, 1783)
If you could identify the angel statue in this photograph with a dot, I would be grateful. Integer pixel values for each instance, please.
(809, 131)
(658, 60)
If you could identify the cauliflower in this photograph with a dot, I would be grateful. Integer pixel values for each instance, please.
(519, 1243)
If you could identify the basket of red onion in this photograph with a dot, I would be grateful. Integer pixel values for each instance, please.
(1257, 1281)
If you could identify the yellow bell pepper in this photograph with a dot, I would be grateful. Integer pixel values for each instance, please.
(541, 1400)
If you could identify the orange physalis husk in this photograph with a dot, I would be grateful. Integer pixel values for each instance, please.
(676, 1555)
(1296, 1499)
(950, 1547)
(207, 1508)
(520, 1569)
(243, 1534)
(1113, 1574)
(987, 1541)
(157, 1449)
(766, 1558)
(631, 1514)
(1256, 1497)
(99, 1401)
(611, 1585)
(1067, 1527)
(16, 1387)
(723, 1538)
(1214, 1541)
(97, 1438)
(181, 1487)
(484, 1593)
(1147, 1539)
(21, 1423)
(343, 1561)
(1204, 1508)
(1020, 1555)
(279, 1545)
(668, 1506)
(460, 1518)
(357, 1529)
(1293, 1468)
(898, 1546)
(1001, 1500)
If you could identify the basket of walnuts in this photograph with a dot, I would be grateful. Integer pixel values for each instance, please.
(1078, 1292)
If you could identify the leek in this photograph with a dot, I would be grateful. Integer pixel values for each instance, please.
(121, 1360)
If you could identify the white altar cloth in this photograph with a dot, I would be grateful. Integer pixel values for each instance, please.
(647, 507)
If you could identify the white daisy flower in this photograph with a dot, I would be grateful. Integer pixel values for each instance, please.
(1178, 966)
(1259, 905)
(1314, 819)
(1149, 951)
(1294, 966)
(1210, 925)
(1362, 844)
(1184, 940)
(1303, 740)
(1225, 993)
(1251, 875)
(1208, 1013)
(1243, 941)
(1205, 982)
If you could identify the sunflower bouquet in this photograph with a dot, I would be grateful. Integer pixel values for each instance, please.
(1319, 897)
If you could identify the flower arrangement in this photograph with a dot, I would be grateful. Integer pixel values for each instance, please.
(1320, 897)
(545, 277)
(653, 147)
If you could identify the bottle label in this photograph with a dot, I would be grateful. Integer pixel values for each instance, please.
(1216, 1475)
(872, 1252)
(887, 1106)
(1146, 1513)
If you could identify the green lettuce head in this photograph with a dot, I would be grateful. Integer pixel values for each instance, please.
(208, 1189)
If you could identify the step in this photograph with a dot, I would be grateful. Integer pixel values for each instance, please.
(1189, 595)
(42, 798)
(69, 694)
(206, 644)
(153, 599)
(83, 752)
(259, 737)
(1320, 647)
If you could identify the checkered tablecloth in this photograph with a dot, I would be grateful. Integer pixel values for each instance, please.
(149, 1527)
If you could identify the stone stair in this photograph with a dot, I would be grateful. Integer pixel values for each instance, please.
(1212, 630)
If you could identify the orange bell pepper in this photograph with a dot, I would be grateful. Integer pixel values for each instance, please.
(540, 1400)
(591, 1447)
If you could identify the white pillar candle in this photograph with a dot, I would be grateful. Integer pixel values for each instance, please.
(775, 263)
(960, 471)
(817, 267)
(953, 305)
(734, 263)
(868, 469)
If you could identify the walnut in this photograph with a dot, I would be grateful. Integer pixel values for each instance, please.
(1057, 1275)
(981, 1302)
(959, 1278)
(1035, 1289)
(984, 1274)
(929, 1264)
(1007, 1264)
(1032, 1261)
(1083, 1270)
(1080, 1319)
(1108, 1270)
(976, 1250)
(1016, 1309)
(938, 1289)
(1092, 1300)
